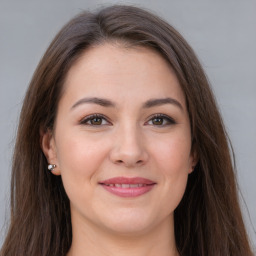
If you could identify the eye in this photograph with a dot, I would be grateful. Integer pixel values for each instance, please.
(95, 120)
(160, 120)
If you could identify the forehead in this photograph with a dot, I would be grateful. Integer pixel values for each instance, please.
(112, 70)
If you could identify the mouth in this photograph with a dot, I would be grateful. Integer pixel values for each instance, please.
(128, 187)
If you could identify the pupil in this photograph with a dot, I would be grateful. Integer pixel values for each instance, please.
(158, 121)
(96, 120)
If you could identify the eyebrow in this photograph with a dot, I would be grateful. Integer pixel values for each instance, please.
(158, 102)
(94, 100)
(107, 103)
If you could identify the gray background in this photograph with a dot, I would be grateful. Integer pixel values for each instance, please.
(222, 32)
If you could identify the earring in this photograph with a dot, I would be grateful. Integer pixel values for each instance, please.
(51, 167)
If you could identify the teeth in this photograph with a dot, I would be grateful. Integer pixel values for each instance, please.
(127, 185)
(134, 185)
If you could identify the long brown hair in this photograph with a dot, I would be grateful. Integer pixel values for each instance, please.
(208, 220)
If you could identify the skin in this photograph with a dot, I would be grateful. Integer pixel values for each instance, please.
(129, 141)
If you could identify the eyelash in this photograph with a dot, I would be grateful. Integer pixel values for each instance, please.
(168, 120)
(91, 117)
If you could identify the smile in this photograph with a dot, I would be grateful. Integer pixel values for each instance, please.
(128, 187)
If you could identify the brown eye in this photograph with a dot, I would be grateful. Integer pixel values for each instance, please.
(95, 120)
(161, 120)
(157, 121)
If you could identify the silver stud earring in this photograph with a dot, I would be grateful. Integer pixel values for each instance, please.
(51, 167)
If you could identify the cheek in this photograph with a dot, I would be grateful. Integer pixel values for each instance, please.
(173, 164)
(79, 158)
(174, 156)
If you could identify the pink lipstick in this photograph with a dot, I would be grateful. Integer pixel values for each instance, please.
(127, 187)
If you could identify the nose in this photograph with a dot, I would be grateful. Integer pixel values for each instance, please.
(129, 148)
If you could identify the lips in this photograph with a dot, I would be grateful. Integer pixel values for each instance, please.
(128, 187)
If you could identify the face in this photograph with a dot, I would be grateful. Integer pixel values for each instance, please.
(121, 141)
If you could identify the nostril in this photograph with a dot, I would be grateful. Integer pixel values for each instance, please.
(128, 163)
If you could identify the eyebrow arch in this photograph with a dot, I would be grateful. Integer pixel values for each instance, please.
(94, 100)
(157, 102)
(107, 103)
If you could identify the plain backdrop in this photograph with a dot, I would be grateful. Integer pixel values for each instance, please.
(222, 32)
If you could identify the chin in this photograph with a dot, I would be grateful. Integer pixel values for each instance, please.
(130, 222)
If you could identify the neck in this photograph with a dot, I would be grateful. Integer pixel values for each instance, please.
(89, 240)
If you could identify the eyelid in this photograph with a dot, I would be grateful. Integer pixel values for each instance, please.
(170, 120)
(85, 119)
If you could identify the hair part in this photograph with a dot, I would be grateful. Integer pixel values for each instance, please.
(208, 220)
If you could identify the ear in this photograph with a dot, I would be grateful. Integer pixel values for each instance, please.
(48, 146)
(193, 160)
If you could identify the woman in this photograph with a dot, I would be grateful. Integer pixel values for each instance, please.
(121, 148)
